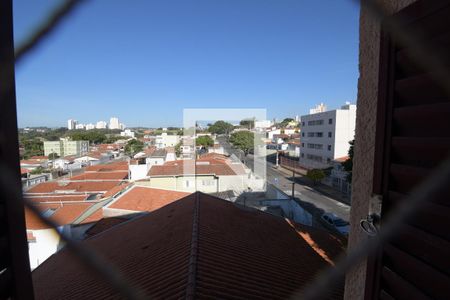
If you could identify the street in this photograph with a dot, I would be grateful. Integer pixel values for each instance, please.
(311, 199)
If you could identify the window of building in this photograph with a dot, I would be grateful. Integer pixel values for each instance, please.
(329, 147)
(303, 123)
(329, 134)
(302, 155)
(303, 144)
(310, 134)
(330, 121)
(319, 134)
(303, 134)
(328, 160)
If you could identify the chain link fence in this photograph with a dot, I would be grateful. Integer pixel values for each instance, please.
(424, 56)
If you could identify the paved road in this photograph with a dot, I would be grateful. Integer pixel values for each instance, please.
(312, 199)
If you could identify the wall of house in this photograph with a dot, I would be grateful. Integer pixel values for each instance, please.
(292, 210)
(369, 51)
(46, 243)
(138, 171)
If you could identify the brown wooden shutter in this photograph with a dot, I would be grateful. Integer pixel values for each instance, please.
(413, 137)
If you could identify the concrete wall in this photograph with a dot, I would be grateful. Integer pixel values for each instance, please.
(369, 52)
(138, 171)
(47, 241)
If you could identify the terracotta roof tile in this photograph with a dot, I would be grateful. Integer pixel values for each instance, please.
(104, 224)
(116, 190)
(146, 199)
(101, 176)
(209, 164)
(64, 214)
(56, 198)
(115, 166)
(240, 253)
(341, 159)
(81, 186)
(24, 171)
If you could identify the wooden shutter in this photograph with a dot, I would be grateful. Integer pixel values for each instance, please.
(413, 137)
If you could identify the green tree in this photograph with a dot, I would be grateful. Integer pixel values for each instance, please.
(248, 123)
(33, 147)
(286, 121)
(243, 140)
(178, 149)
(315, 175)
(204, 140)
(93, 136)
(348, 164)
(53, 156)
(221, 127)
(134, 146)
(37, 170)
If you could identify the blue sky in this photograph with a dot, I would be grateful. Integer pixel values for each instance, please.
(144, 61)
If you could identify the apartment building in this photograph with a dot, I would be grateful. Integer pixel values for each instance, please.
(326, 135)
(164, 140)
(65, 147)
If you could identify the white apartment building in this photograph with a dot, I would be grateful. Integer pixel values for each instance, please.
(164, 140)
(71, 124)
(127, 133)
(79, 126)
(101, 125)
(114, 123)
(325, 136)
(90, 126)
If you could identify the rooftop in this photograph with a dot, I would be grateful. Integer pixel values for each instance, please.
(146, 199)
(118, 175)
(114, 166)
(64, 213)
(74, 187)
(235, 252)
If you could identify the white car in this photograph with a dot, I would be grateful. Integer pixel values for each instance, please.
(336, 223)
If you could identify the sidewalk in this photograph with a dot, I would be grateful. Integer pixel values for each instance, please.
(319, 187)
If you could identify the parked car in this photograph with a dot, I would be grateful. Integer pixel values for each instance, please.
(336, 223)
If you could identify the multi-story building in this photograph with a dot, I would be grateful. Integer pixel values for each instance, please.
(101, 125)
(71, 124)
(65, 147)
(127, 133)
(114, 123)
(90, 126)
(164, 140)
(79, 126)
(326, 135)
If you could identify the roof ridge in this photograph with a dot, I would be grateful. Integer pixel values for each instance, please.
(193, 256)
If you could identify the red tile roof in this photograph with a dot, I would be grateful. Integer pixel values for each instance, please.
(211, 163)
(24, 171)
(64, 214)
(56, 198)
(115, 166)
(104, 224)
(30, 162)
(236, 252)
(80, 186)
(116, 189)
(341, 159)
(101, 176)
(146, 199)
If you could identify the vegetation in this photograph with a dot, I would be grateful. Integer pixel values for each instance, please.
(37, 170)
(249, 123)
(221, 127)
(348, 164)
(243, 140)
(134, 146)
(178, 149)
(53, 156)
(286, 121)
(33, 147)
(316, 175)
(204, 140)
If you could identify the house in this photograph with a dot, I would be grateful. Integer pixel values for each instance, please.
(67, 163)
(32, 164)
(326, 136)
(164, 140)
(236, 252)
(338, 176)
(138, 199)
(210, 173)
(43, 241)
